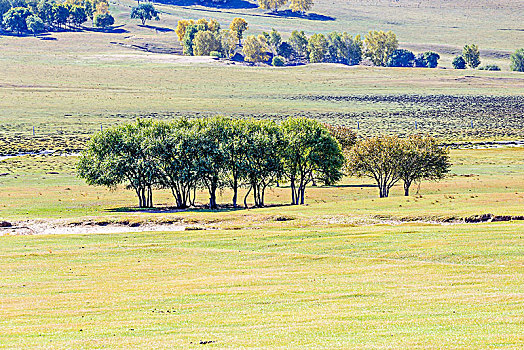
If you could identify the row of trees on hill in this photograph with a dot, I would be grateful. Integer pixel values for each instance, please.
(20, 16)
(212, 154)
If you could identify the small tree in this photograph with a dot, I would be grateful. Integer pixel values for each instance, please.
(379, 46)
(78, 15)
(285, 50)
(423, 159)
(459, 63)
(145, 12)
(239, 26)
(310, 153)
(189, 36)
(255, 49)
(431, 59)
(15, 19)
(228, 41)
(345, 136)
(517, 60)
(299, 43)
(205, 42)
(272, 5)
(278, 61)
(401, 58)
(181, 28)
(317, 47)
(379, 158)
(471, 55)
(35, 24)
(104, 20)
(301, 5)
(60, 14)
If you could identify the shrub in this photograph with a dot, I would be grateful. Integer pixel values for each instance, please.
(459, 63)
(278, 61)
(103, 20)
(215, 54)
(401, 58)
(492, 67)
(517, 61)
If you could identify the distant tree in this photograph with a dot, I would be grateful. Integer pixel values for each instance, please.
(181, 28)
(310, 153)
(255, 49)
(228, 42)
(471, 55)
(299, 43)
(239, 26)
(78, 15)
(301, 5)
(343, 48)
(422, 159)
(103, 20)
(35, 24)
(15, 19)
(490, 67)
(345, 136)
(278, 61)
(431, 59)
(317, 47)
(420, 61)
(274, 39)
(517, 60)
(272, 5)
(60, 14)
(285, 50)
(401, 58)
(120, 155)
(145, 12)
(379, 46)
(459, 63)
(379, 158)
(205, 42)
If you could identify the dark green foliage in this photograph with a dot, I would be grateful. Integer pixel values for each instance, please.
(431, 59)
(189, 36)
(35, 24)
(45, 11)
(299, 43)
(145, 12)
(471, 55)
(420, 61)
(60, 14)
(517, 61)
(401, 58)
(15, 19)
(77, 15)
(5, 5)
(285, 50)
(103, 20)
(459, 63)
(343, 48)
(491, 67)
(278, 61)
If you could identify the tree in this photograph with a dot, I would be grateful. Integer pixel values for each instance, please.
(420, 61)
(189, 36)
(401, 58)
(274, 39)
(345, 136)
(238, 26)
(379, 158)
(517, 60)
(15, 19)
(120, 155)
(60, 14)
(35, 24)
(301, 5)
(272, 5)
(181, 28)
(144, 12)
(459, 63)
(228, 42)
(310, 153)
(317, 47)
(431, 59)
(5, 5)
(78, 15)
(379, 46)
(423, 159)
(299, 43)
(285, 50)
(471, 55)
(104, 20)
(350, 51)
(255, 49)
(45, 11)
(205, 42)
(278, 61)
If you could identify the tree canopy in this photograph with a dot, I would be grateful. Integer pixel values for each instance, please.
(145, 12)
(379, 46)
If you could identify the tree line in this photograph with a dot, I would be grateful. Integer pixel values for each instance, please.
(218, 152)
(20, 16)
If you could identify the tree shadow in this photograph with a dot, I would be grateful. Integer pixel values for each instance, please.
(224, 208)
(112, 30)
(232, 4)
(159, 29)
(309, 16)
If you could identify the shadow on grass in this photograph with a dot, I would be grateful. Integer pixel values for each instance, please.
(224, 208)
(158, 29)
(232, 4)
(309, 16)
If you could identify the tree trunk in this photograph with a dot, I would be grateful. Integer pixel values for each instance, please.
(407, 185)
(235, 191)
(302, 194)
(245, 198)
(212, 194)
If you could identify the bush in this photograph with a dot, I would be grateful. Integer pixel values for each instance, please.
(517, 60)
(215, 54)
(459, 63)
(278, 61)
(401, 58)
(103, 20)
(492, 67)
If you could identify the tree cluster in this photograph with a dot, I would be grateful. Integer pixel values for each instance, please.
(470, 57)
(389, 159)
(295, 5)
(20, 16)
(212, 154)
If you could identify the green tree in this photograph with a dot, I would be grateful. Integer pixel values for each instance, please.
(228, 42)
(5, 5)
(299, 43)
(471, 55)
(103, 20)
(379, 46)
(205, 42)
(181, 27)
(60, 14)
(278, 61)
(285, 50)
(272, 5)
(301, 5)
(78, 15)
(145, 12)
(517, 60)
(422, 159)
(420, 61)
(310, 153)
(379, 158)
(459, 63)
(35, 24)
(238, 26)
(45, 11)
(401, 58)
(317, 47)
(120, 155)
(255, 49)
(431, 59)
(343, 48)
(15, 19)
(345, 136)
(189, 37)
